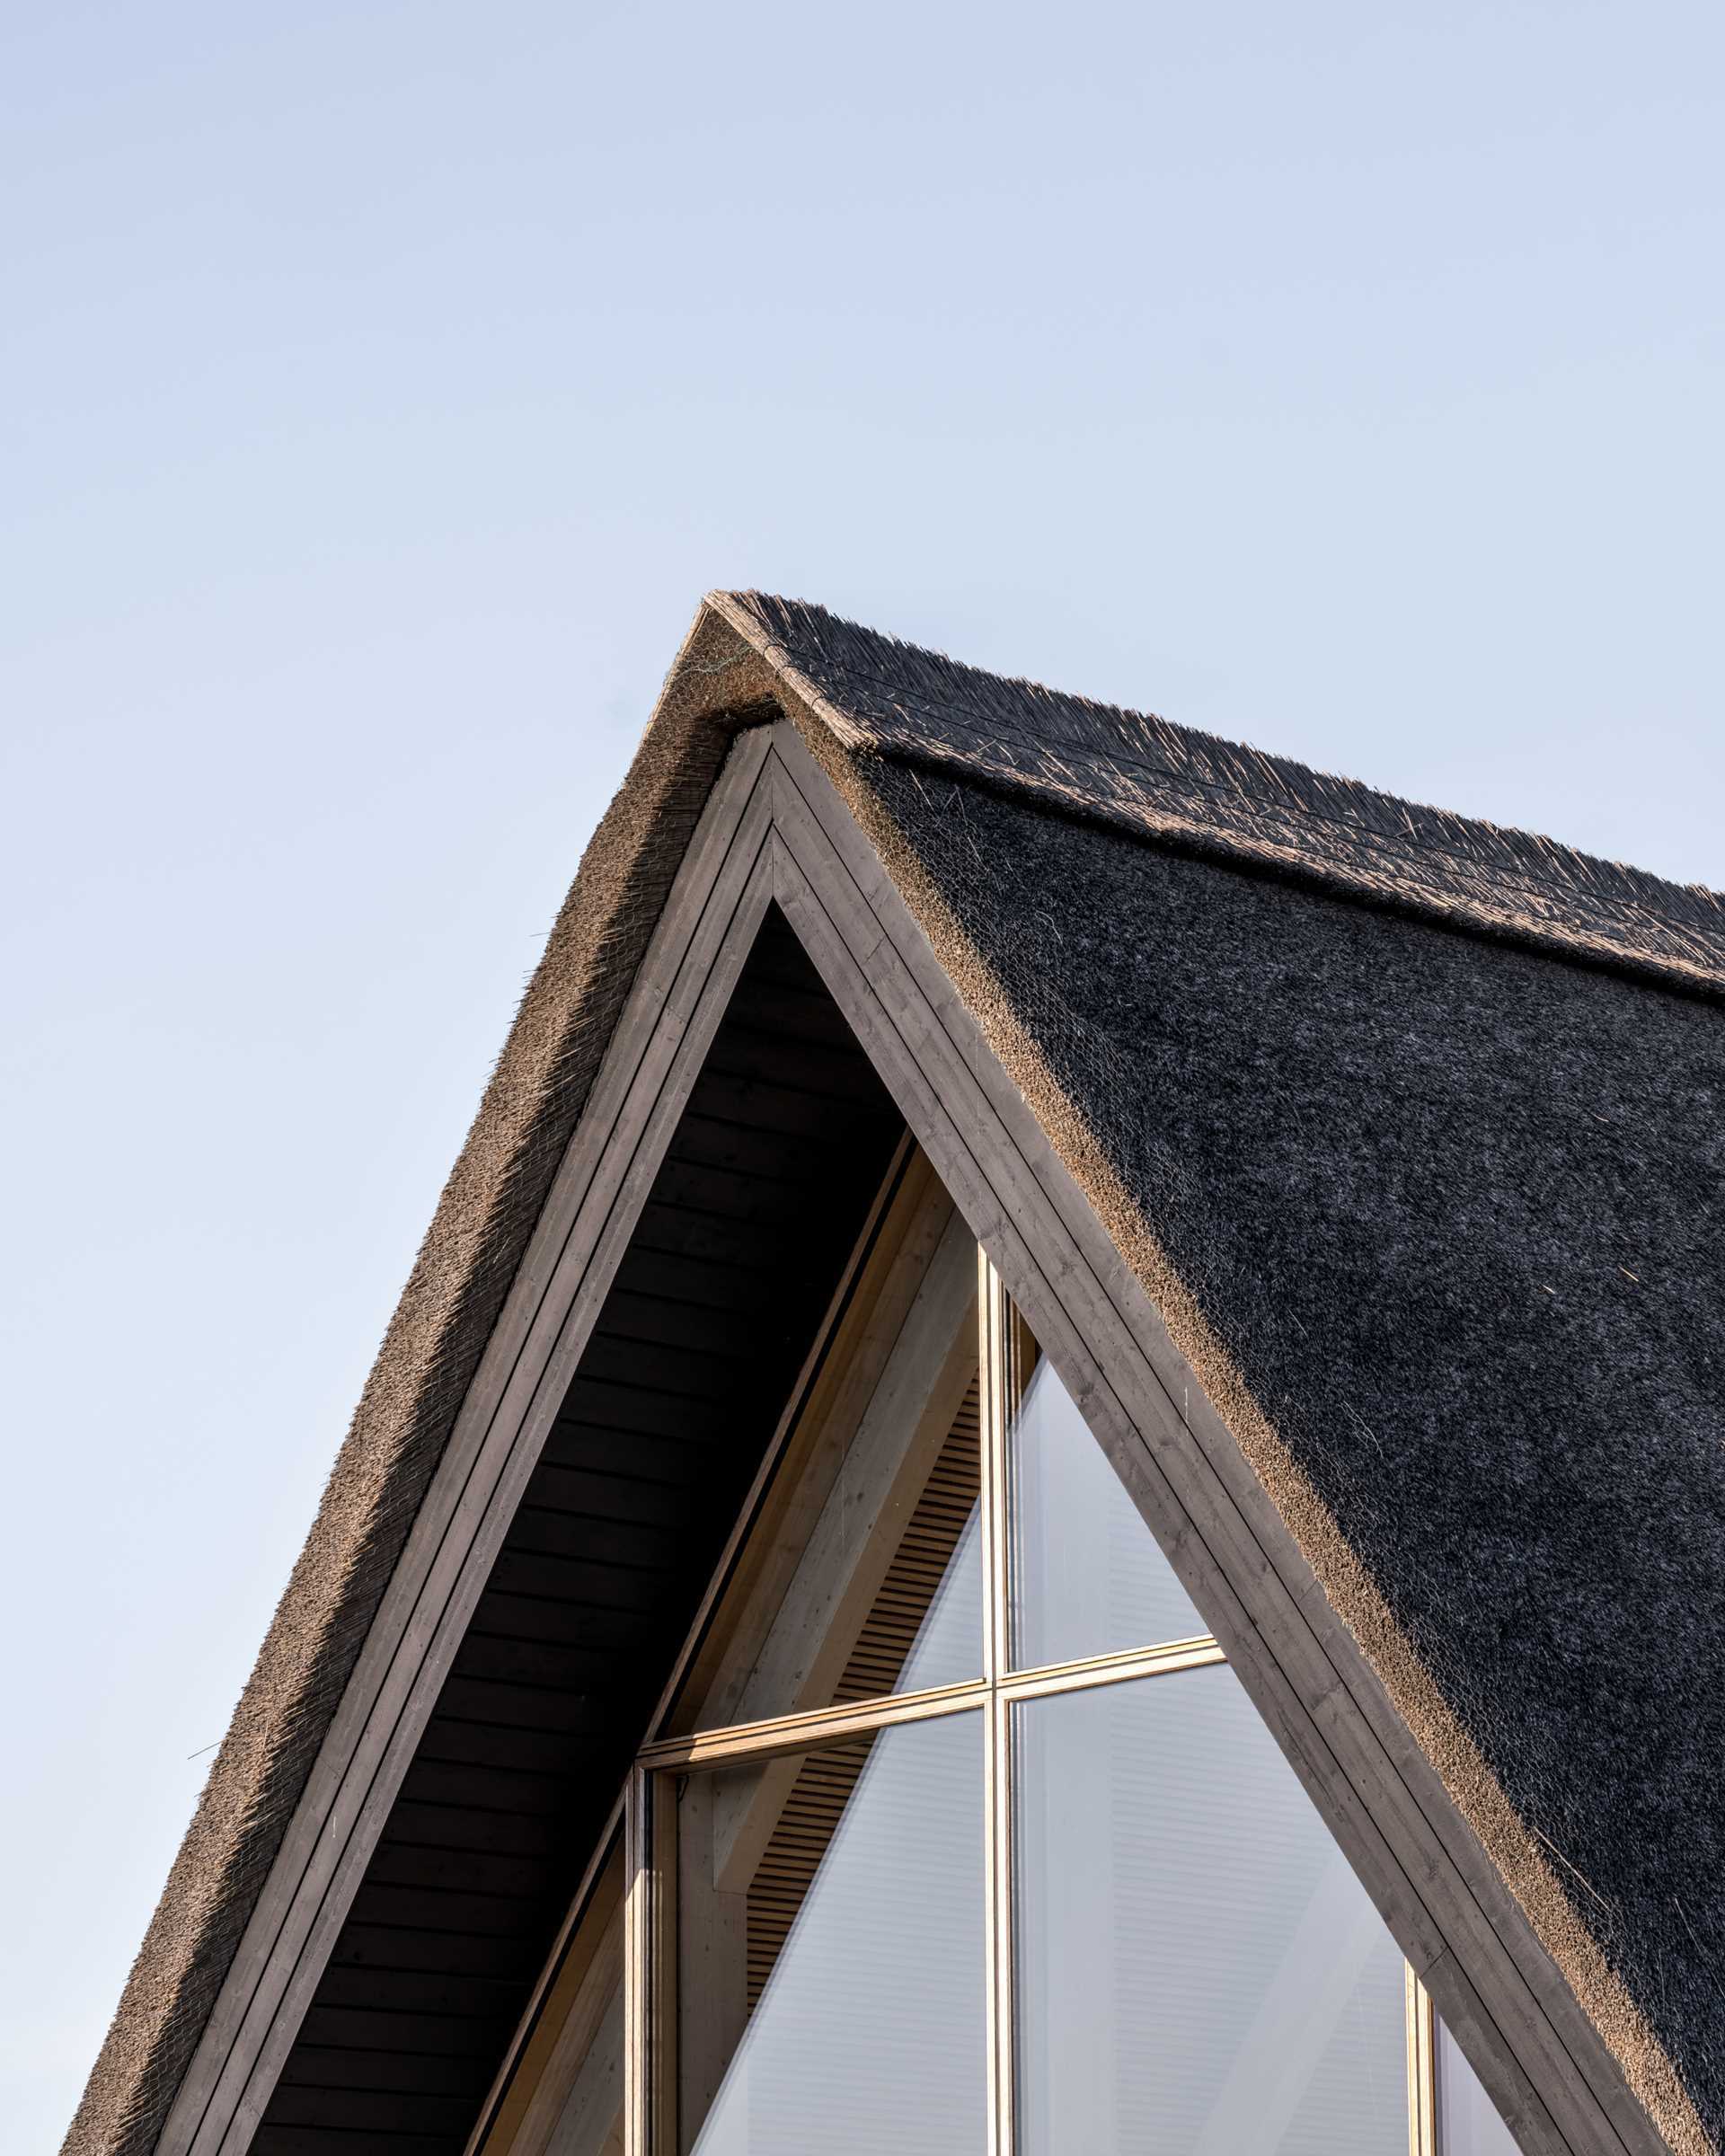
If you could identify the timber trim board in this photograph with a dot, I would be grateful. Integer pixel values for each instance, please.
(1508, 2006)
(717, 902)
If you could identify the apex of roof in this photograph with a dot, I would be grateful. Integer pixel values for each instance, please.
(1195, 790)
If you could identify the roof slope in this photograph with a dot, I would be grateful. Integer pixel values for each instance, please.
(1440, 1219)
(1440, 1224)
(1437, 1224)
(1450, 1222)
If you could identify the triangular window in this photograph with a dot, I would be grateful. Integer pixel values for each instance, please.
(959, 1834)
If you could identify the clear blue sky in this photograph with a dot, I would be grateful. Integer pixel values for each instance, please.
(381, 385)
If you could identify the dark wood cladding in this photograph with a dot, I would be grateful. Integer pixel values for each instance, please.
(766, 1186)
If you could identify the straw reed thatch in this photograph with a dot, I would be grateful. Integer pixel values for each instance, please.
(1412, 1129)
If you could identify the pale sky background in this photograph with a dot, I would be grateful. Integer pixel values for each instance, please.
(383, 385)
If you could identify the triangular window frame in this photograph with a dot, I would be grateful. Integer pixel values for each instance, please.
(658, 1958)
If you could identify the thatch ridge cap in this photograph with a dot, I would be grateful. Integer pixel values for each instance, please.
(1180, 785)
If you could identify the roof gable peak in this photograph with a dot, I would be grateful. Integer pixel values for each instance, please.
(1179, 787)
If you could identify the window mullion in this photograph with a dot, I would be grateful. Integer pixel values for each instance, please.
(994, 1316)
(809, 1731)
(638, 1965)
(1114, 1669)
(1422, 2069)
(996, 1319)
(1002, 2079)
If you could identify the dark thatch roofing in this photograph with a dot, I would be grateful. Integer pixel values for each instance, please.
(1435, 1215)
(1151, 778)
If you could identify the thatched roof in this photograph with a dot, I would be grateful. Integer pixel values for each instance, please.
(1412, 1129)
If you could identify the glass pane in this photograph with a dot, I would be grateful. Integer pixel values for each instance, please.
(1200, 1973)
(1088, 1575)
(863, 1575)
(830, 1950)
(1468, 2124)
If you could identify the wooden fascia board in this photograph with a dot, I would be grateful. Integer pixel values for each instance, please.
(1515, 2016)
(678, 997)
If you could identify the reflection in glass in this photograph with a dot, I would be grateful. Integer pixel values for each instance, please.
(1200, 1973)
(945, 1648)
(829, 1913)
(924, 1624)
(865, 1577)
(1468, 2124)
(1089, 1578)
